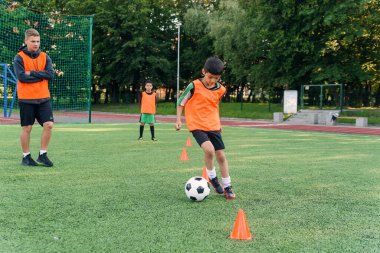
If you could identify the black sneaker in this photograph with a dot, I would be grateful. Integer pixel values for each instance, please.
(28, 161)
(229, 193)
(140, 138)
(154, 139)
(44, 160)
(215, 183)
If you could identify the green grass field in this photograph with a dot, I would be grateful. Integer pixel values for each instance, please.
(107, 192)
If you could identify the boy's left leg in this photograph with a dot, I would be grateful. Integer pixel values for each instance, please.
(152, 132)
(226, 179)
(46, 120)
(46, 134)
(209, 151)
(223, 163)
(45, 140)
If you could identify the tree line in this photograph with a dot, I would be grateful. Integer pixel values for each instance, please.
(268, 46)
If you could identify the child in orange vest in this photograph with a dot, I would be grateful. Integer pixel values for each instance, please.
(201, 99)
(148, 109)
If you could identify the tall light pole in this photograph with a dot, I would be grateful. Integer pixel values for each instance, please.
(178, 41)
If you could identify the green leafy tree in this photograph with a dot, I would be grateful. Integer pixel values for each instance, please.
(132, 42)
(288, 43)
(196, 41)
(197, 44)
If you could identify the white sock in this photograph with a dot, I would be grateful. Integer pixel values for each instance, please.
(226, 182)
(42, 151)
(211, 173)
(25, 154)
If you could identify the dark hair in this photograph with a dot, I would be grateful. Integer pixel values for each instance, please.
(214, 65)
(148, 81)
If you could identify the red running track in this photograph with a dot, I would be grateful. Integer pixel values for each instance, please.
(98, 117)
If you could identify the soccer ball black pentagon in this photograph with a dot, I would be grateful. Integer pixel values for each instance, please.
(197, 188)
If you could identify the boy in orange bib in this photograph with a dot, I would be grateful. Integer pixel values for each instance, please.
(201, 101)
(33, 70)
(148, 109)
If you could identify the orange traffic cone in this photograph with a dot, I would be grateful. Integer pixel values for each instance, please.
(241, 229)
(205, 174)
(184, 155)
(188, 142)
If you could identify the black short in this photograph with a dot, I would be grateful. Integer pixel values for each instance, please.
(30, 112)
(214, 136)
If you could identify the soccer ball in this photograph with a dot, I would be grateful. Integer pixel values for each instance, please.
(197, 188)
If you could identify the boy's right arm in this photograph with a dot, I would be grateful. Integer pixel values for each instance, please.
(182, 100)
(178, 123)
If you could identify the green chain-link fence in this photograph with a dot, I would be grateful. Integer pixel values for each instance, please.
(66, 39)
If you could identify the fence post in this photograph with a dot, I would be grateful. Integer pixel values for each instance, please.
(341, 98)
(5, 97)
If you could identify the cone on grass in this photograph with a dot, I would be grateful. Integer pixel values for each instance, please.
(188, 142)
(184, 155)
(241, 229)
(205, 174)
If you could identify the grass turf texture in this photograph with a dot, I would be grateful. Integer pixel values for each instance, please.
(107, 192)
